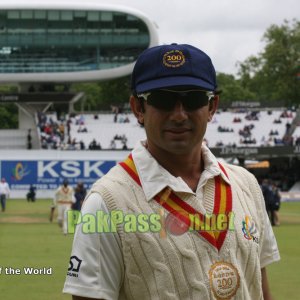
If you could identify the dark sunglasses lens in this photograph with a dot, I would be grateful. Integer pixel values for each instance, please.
(165, 100)
(162, 100)
(195, 100)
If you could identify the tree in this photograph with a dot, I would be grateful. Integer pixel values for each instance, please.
(115, 92)
(272, 75)
(8, 116)
(8, 111)
(101, 95)
(92, 93)
(232, 90)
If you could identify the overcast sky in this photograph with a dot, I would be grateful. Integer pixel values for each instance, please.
(228, 30)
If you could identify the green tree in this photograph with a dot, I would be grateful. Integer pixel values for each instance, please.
(101, 95)
(115, 92)
(272, 75)
(8, 116)
(232, 90)
(92, 93)
(8, 111)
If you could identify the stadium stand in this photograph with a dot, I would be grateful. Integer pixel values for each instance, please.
(260, 135)
(261, 128)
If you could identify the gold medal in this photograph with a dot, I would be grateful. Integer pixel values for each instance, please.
(224, 280)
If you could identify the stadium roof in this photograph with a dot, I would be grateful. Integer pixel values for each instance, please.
(65, 41)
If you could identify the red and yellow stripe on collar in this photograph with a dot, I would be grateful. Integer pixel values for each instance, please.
(186, 213)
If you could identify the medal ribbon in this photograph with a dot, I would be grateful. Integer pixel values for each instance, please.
(183, 211)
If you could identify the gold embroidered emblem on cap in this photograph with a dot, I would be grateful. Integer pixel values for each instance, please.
(173, 59)
(224, 280)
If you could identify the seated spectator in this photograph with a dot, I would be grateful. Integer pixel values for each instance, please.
(237, 120)
(94, 145)
(219, 144)
(252, 116)
(286, 114)
(82, 145)
(82, 129)
(79, 120)
(248, 140)
(224, 129)
(273, 132)
(113, 144)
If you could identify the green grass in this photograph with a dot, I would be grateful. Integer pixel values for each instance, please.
(28, 239)
(32, 244)
(284, 275)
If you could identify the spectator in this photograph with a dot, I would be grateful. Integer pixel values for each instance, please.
(266, 191)
(80, 193)
(82, 129)
(125, 146)
(113, 144)
(69, 122)
(94, 145)
(31, 194)
(4, 193)
(82, 145)
(29, 140)
(275, 205)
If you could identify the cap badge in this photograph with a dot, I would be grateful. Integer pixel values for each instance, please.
(173, 59)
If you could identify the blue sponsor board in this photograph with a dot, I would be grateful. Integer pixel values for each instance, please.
(49, 174)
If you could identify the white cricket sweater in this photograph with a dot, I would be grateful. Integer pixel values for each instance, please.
(187, 266)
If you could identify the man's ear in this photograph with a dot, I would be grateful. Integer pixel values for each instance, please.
(213, 106)
(137, 109)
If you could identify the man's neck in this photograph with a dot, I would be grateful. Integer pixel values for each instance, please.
(187, 166)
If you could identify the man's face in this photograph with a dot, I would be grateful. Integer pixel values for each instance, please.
(179, 130)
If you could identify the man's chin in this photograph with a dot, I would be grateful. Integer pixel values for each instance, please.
(179, 147)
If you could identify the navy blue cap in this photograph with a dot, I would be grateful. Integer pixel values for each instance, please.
(173, 65)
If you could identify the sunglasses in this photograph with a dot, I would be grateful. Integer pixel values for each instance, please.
(166, 100)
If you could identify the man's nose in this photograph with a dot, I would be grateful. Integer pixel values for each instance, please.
(179, 113)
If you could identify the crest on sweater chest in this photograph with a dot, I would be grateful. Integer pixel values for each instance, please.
(224, 280)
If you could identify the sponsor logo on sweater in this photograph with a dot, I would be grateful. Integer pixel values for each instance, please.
(74, 266)
(249, 229)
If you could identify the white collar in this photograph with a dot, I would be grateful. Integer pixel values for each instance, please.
(155, 178)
